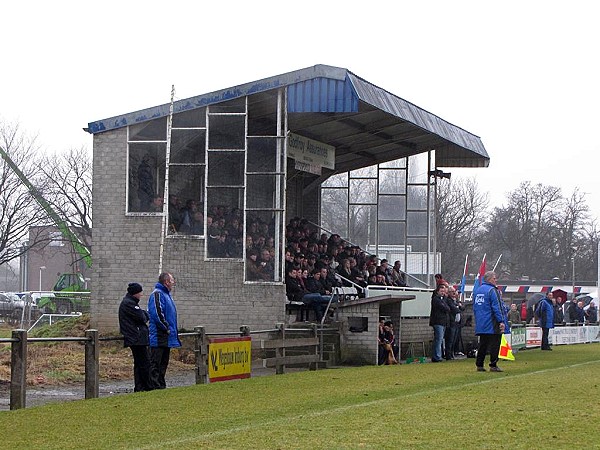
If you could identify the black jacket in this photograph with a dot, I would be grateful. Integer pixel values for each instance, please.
(133, 322)
(439, 311)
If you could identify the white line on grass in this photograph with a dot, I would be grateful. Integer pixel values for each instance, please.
(286, 419)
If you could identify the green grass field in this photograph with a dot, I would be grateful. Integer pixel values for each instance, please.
(543, 399)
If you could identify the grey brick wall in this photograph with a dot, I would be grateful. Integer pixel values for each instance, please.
(125, 249)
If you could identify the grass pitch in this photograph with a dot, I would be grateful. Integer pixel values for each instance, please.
(542, 399)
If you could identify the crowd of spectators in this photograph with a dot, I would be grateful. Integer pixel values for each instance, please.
(323, 262)
(307, 249)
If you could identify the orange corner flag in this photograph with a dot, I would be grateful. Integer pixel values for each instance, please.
(505, 350)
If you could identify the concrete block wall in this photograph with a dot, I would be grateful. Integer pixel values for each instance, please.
(359, 347)
(127, 248)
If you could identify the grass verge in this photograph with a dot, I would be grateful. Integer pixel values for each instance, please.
(446, 405)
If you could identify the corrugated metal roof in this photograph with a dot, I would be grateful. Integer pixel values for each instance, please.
(365, 123)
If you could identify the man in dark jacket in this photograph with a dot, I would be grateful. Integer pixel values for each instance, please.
(438, 319)
(163, 327)
(133, 324)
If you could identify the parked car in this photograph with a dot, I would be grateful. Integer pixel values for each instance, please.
(11, 306)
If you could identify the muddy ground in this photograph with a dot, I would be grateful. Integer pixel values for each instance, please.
(43, 394)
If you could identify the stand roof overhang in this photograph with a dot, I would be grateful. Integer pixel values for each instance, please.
(366, 124)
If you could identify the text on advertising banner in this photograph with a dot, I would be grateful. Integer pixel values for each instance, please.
(229, 358)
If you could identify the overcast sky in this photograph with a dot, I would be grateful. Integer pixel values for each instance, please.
(522, 75)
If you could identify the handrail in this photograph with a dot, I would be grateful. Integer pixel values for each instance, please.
(357, 286)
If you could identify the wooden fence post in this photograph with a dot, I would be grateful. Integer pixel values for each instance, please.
(18, 369)
(92, 364)
(201, 354)
(280, 351)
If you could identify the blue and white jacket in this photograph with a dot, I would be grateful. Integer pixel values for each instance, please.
(489, 310)
(163, 318)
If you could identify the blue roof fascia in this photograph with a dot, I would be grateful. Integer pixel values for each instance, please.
(322, 95)
(320, 71)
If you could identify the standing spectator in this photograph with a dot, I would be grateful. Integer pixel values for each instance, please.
(514, 316)
(133, 325)
(571, 315)
(388, 341)
(592, 313)
(163, 327)
(545, 313)
(523, 311)
(452, 327)
(490, 321)
(580, 312)
(558, 312)
(438, 319)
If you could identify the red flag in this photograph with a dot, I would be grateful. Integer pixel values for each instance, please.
(480, 274)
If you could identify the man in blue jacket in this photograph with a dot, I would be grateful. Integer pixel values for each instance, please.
(545, 313)
(163, 327)
(490, 321)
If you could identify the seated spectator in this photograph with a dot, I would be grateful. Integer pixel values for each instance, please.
(311, 295)
(175, 215)
(216, 246)
(345, 271)
(328, 280)
(385, 269)
(380, 280)
(267, 263)
(195, 225)
(357, 275)
(191, 206)
(157, 204)
(398, 276)
(254, 271)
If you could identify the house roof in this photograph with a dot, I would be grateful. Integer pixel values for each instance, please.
(365, 123)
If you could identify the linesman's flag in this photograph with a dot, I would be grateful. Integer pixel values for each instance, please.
(505, 350)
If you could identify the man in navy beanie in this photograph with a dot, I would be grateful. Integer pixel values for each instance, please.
(133, 324)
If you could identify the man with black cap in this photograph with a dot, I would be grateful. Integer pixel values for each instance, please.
(133, 324)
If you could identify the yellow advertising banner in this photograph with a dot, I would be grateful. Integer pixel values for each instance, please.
(229, 358)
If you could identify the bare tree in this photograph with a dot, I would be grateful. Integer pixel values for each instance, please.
(461, 213)
(18, 208)
(539, 233)
(68, 190)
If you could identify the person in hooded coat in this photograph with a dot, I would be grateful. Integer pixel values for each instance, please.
(133, 325)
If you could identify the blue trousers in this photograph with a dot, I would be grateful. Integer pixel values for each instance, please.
(438, 339)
